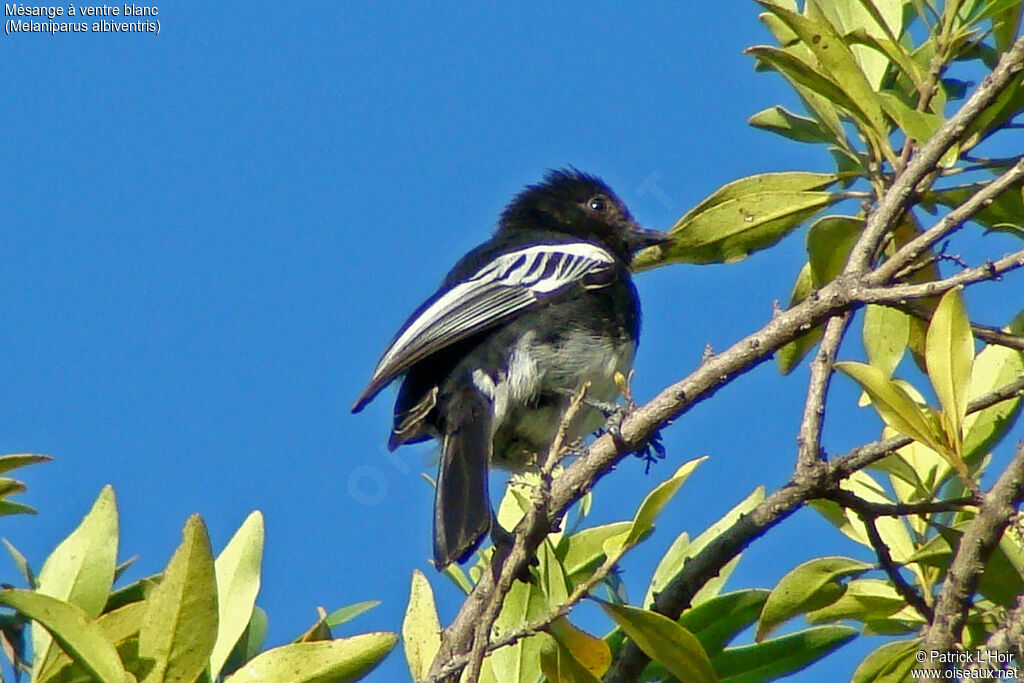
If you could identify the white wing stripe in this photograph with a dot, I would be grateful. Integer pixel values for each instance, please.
(531, 272)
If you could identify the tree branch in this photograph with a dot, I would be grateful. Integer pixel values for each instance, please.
(976, 545)
(781, 503)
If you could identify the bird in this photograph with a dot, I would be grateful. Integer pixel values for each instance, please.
(489, 363)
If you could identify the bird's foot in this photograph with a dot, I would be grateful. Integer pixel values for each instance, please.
(651, 452)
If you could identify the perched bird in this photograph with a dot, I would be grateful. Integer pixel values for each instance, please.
(491, 360)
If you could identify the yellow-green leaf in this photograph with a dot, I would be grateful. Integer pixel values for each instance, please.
(807, 587)
(885, 333)
(949, 355)
(829, 241)
(665, 641)
(790, 355)
(180, 626)
(890, 663)
(338, 661)
(238, 582)
(81, 569)
(592, 653)
(655, 502)
(77, 634)
(893, 404)
(836, 59)
(783, 122)
(421, 628)
(994, 367)
(559, 664)
(742, 217)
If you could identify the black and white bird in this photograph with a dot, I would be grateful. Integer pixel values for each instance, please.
(517, 327)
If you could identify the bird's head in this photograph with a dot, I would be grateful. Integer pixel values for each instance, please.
(575, 203)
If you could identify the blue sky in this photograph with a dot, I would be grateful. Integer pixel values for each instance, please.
(211, 233)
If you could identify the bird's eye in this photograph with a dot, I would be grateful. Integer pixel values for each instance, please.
(597, 204)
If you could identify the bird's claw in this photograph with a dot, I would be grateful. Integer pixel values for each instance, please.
(651, 452)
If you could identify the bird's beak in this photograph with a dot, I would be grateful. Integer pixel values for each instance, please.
(640, 238)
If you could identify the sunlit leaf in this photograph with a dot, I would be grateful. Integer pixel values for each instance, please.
(742, 217)
(890, 663)
(347, 613)
(339, 661)
(718, 620)
(781, 121)
(592, 653)
(73, 629)
(893, 404)
(655, 502)
(949, 354)
(80, 570)
(238, 582)
(180, 625)
(782, 656)
(807, 587)
(665, 641)
(421, 628)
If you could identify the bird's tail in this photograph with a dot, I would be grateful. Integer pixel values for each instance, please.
(462, 508)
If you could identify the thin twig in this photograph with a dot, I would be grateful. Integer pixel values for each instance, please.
(809, 438)
(775, 508)
(979, 539)
(889, 566)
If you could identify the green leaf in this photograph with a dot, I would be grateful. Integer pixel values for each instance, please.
(916, 125)
(994, 367)
(893, 404)
(350, 612)
(741, 217)
(655, 502)
(590, 652)
(836, 59)
(799, 72)
(21, 563)
(665, 641)
(117, 627)
(521, 661)
(582, 551)
(803, 589)
(133, 592)
(668, 566)
(893, 51)
(180, 626)
(458, 577)
(238, 582)
(74, 631)
(80, 570)
(783, 122)
(421, 628)
(890, 663)
(338, 661)
(717, 621)
(251, 642)
(949, 355)
(893, 530)
(559, 664)
(829, 241)
(864, 600)
(707, 536)
(15, 460)
(886, 332)
(780, 656)
(1005, 213)
(790, 355)
(1002, 581)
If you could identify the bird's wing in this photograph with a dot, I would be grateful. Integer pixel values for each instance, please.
(508, 285)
